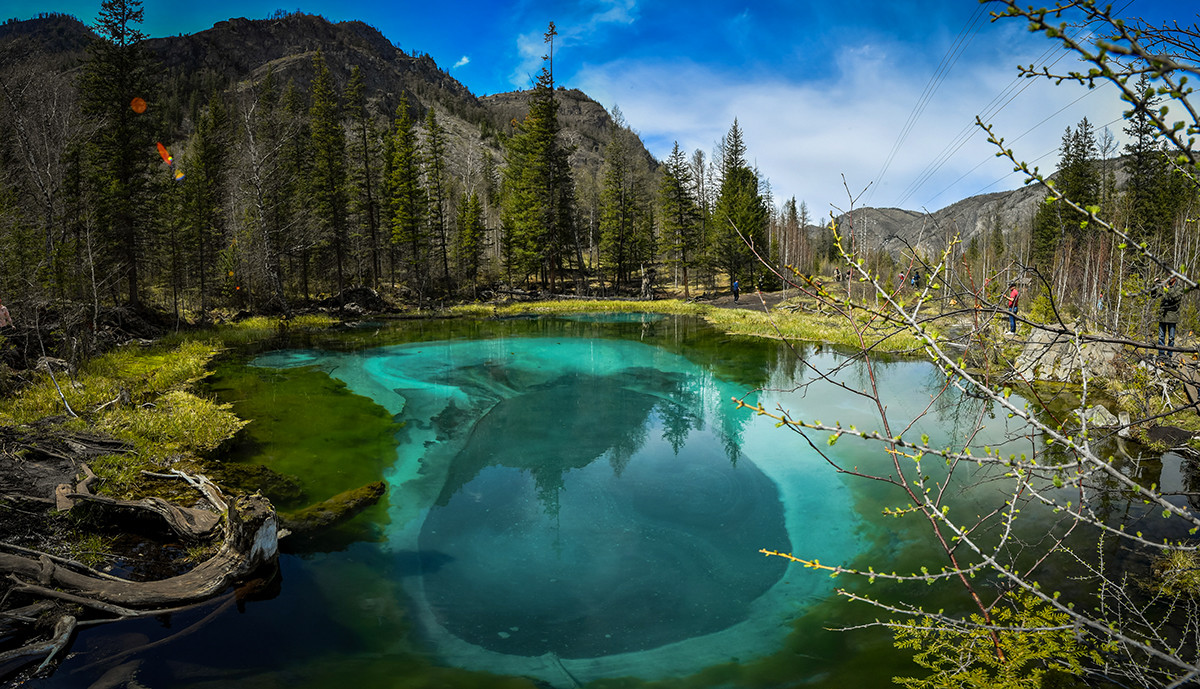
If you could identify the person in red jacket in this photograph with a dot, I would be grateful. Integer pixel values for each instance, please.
(1013, 297)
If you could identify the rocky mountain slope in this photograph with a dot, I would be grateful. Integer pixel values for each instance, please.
(903, 231)
(238, 52)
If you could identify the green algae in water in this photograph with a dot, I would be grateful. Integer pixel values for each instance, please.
(590, 499)
(308, 425)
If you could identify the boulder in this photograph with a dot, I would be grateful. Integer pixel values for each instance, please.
(1100, 416)
(1054, 356)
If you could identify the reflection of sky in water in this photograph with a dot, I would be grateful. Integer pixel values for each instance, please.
(595, 500)
(595, 507)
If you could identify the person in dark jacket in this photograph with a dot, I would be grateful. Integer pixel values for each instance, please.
(1168, 314)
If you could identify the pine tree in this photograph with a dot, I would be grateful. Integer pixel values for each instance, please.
(266, 182)
(1151, 195)
(435, 182)
(296, 169)
(680, 215)
(327, 180)
(409, 201)
(539, 193)
(468, 250)
(1078, 178)
(623, 210)
(365, 171)
(121, 152)
(204, 189)
(740, 216)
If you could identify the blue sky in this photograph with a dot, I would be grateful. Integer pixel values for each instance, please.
(822, 91)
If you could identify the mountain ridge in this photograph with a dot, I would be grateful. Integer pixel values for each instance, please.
(237, 52)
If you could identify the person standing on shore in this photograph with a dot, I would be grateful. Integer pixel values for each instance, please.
(1014, 296)
(1168, 315)
(736, 286)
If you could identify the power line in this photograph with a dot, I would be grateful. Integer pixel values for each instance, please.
(949, 59)
(993, 108)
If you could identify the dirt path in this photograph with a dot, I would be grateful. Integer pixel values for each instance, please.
(749, 300)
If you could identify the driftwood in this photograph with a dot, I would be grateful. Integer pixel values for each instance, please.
(63, 629)
(250, 543)
(188, 523)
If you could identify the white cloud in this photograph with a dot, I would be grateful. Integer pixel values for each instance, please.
(804, 136)
(462, 61)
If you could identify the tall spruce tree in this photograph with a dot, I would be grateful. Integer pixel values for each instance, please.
(1151, 195)
(435, 182)
(624, 210)
(1078, 177)
(469, 244)
(204, 190)
(409, 202)
(365, 172)
(539, 192)
(296, 167)
(121, 152)
(740, 215)
(327, 180)
(679, 214)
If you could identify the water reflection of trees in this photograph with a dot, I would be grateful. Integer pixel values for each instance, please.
(567, 423)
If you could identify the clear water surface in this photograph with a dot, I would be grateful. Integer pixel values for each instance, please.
(572, 502)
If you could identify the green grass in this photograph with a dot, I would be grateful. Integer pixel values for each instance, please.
(258, 328)
(140, 395)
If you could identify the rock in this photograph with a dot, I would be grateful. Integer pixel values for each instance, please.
(359, 300)
(1100, 416)
(1168, 435)
(1123, 432)
(1053, 356)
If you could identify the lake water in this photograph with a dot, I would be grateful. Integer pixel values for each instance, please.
(572, 502)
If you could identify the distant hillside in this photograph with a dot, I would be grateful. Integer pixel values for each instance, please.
(897, 231)
(53, 35)
(237, 52)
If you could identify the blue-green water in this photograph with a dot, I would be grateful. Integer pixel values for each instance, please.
(572, 501)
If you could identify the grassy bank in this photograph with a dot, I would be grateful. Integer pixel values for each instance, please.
(780, 324)
(142, 395)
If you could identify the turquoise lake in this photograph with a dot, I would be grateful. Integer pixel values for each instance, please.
(571, 502)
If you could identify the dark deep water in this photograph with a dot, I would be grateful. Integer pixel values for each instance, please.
(575, 500)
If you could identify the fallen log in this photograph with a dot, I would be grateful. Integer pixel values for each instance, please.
(339, 509)
(251, 542)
